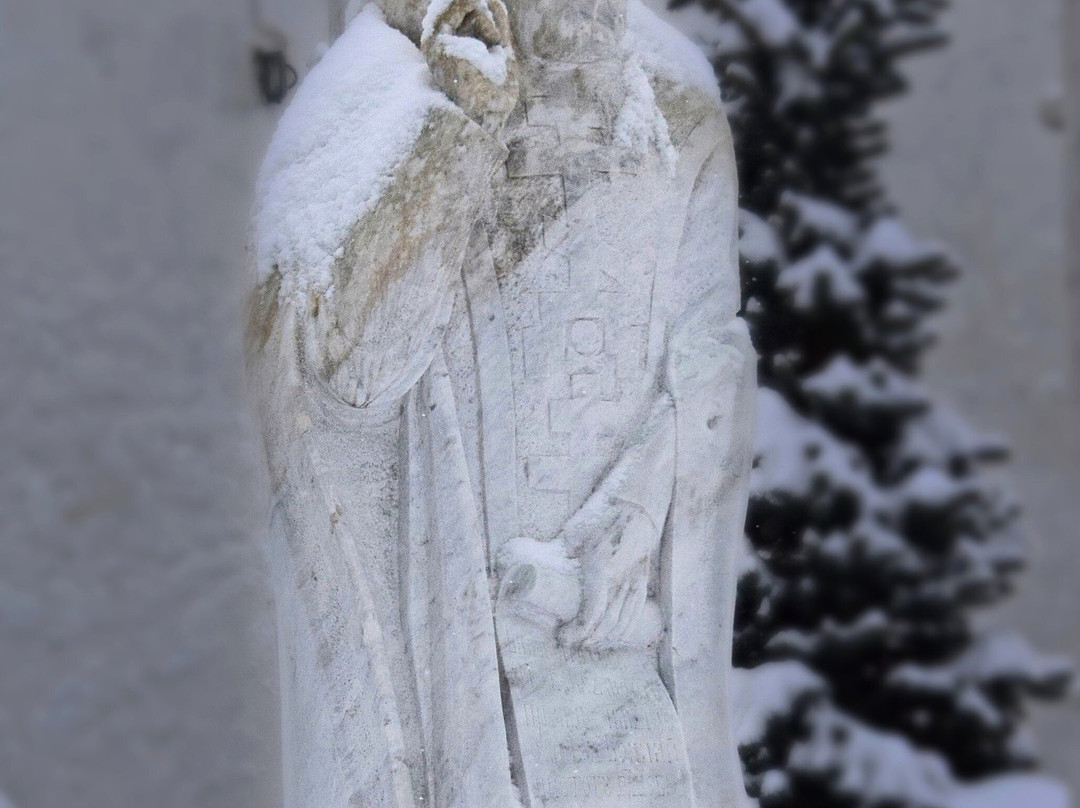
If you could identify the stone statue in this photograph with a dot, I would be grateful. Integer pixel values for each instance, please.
(507, 409)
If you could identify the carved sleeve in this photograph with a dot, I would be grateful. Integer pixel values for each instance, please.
(712, 379)
(373, 336)
(708, 256)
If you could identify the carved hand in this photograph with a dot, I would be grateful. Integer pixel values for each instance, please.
(615, 565)
(469, 49)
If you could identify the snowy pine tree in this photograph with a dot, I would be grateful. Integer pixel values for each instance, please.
(876, 524)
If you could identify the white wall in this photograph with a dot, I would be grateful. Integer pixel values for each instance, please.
(134, 672)
(974, 165)
(1070, 37)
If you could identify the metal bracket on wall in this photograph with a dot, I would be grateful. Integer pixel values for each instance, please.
(275, 76)
(273, 73)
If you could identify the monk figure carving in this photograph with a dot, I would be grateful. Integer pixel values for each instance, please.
(508, 409)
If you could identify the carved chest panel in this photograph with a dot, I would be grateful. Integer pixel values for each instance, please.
(579, 222)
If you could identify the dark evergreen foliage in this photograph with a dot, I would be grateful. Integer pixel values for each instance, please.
(876, 524)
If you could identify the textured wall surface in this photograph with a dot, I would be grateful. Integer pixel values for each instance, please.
(134, 672)
(975, 165)
(1070, 34)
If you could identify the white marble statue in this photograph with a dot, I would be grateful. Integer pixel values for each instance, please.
(507, 409)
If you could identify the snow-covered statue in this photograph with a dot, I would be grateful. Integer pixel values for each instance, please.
(507, 410)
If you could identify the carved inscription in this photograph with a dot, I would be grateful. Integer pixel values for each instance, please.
(595, 730)
(579, 305)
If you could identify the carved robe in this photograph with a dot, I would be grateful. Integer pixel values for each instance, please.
(509, 444)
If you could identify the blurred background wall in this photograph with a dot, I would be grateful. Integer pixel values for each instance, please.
(138, 660)
(979, 161)
(1070, 40)
(137, 646)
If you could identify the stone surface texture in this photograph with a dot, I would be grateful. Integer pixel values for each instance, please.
(508, 424)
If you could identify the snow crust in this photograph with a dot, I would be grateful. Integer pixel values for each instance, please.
(771, 20)
(873, 766)
(995, 658)
(874, 384)
(550, 555)
(435, 9)
(792, 452)
(932, 488)
(768, 691)
(666, 52)
(758, 241)
(491, 62)
(941, 435)
(351, 122)
(891, 244)
(818, 217)
(871, 623)
(821, 272)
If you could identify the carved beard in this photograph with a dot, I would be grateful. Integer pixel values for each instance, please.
(568, 30)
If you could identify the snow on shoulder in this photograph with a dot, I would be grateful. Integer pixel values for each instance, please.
(667, 52)
(353, 119)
